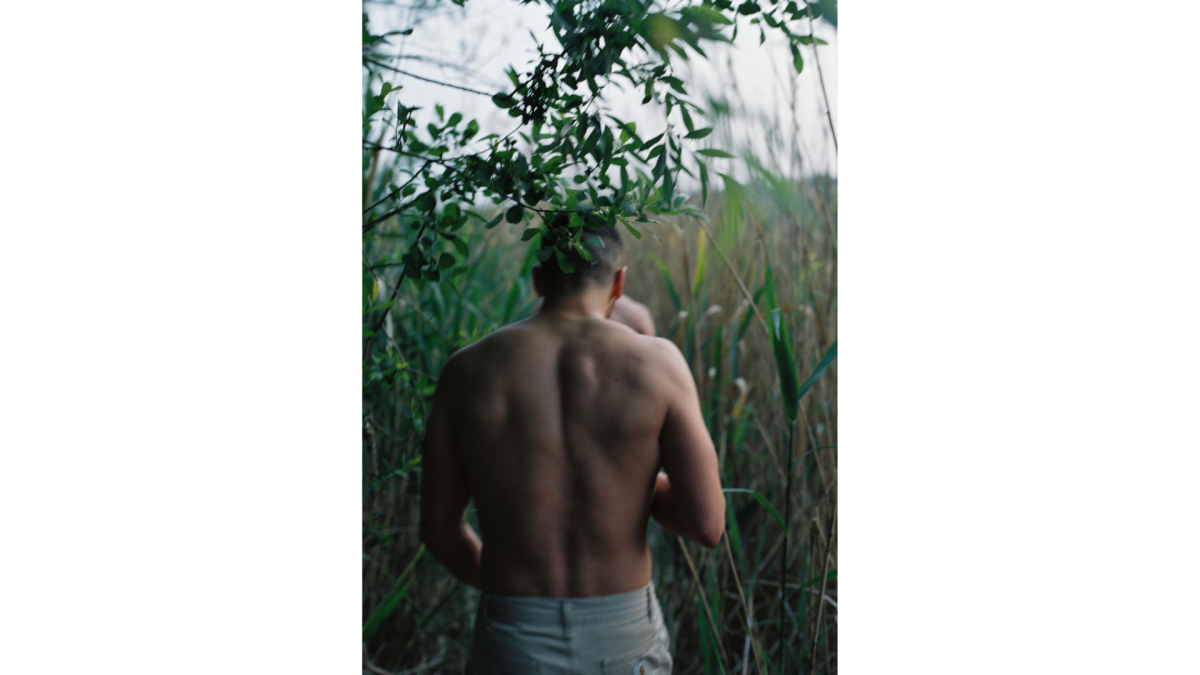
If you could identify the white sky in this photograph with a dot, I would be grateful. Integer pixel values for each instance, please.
(472, 46)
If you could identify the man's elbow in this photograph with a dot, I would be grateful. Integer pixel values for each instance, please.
(710, 532)
(431, 535)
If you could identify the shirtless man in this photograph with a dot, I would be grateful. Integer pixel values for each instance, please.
(557, 426)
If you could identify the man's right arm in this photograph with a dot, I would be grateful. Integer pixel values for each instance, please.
(445, 493)
(687, 496)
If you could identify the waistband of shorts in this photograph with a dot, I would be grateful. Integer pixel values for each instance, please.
(601, 609)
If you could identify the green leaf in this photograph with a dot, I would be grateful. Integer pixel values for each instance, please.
(700, 133)
(582, 250)
(844, 347)
(445, 260)
(748, 8)
(703, 13)
(564, 264)
(781, 347)
(385, 608)
(530, 233)
(454, 119)
(494, 221)
(462, 248)
(666, 275)
(384, 305)
(634, 232)
(713, 152)
(676, 84)
(515, 214)
(785, 362)
(687, 119)
(797, 60)
(503, 101)
(761, 500)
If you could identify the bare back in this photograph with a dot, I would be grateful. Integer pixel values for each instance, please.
(556, 424)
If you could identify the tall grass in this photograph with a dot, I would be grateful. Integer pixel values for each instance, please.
(707, 285)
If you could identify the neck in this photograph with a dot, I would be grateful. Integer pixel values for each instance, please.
(592, 305)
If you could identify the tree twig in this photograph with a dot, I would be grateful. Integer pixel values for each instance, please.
(389, 195)
(367, 227)
(449, 166)
(426, 79)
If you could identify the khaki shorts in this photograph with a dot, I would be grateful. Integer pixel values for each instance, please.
(619, 634)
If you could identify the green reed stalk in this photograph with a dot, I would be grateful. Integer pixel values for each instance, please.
(787, 518)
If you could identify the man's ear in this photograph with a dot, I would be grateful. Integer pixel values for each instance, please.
(539, 283)
(618, 285)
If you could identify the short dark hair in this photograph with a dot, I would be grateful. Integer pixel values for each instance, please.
(603, 244)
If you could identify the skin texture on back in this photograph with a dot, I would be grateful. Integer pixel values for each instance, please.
(553, 417)
(557, 426)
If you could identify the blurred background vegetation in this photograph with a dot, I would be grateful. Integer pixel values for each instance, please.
(743, 278)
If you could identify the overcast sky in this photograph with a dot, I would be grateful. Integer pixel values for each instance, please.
(471, 46)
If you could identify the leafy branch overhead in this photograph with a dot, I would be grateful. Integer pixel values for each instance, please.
(574, 156)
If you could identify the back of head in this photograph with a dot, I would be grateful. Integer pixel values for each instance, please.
(603, 246)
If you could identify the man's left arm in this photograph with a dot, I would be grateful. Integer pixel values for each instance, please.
(634, 314)
(444, 497)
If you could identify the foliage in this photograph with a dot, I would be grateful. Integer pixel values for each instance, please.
(578, 159)
(438, 273)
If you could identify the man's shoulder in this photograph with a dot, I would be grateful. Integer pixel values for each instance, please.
(650, 352)
(482, 351)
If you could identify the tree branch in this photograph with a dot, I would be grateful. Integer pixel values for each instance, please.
(393, 192)
(426, 79)
(367, 227)
(448, 164)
